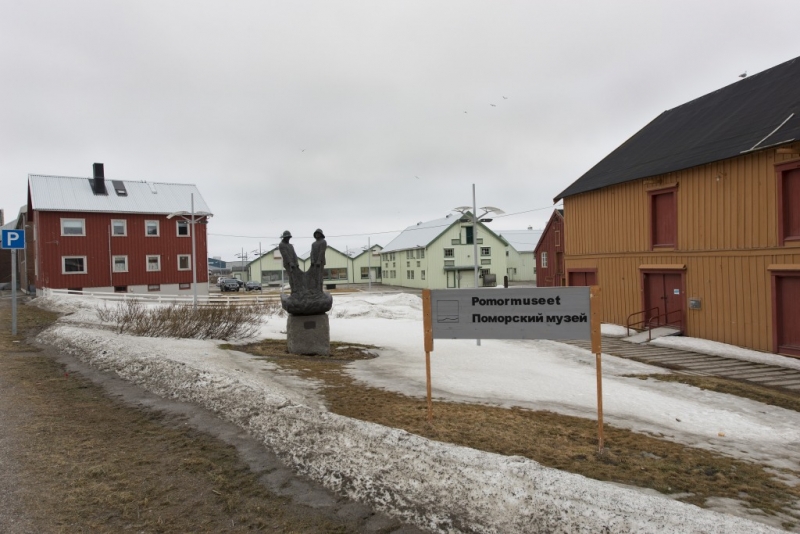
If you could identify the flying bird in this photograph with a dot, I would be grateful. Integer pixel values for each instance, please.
(743, 75)
(465, 112)
(417, 177)
(302, 150)
(505, 98)
(493, 105)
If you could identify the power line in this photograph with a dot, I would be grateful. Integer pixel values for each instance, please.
(410, 228)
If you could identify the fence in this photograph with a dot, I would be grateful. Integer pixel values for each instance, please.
(202, 300)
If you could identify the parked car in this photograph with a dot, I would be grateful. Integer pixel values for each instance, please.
(230, 284)
(251, 285)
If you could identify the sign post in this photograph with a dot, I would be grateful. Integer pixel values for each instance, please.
(555, 313)
(14, 240)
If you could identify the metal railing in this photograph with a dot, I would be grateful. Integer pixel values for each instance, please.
(648, 325)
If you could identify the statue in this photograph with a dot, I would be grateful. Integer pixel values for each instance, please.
(290, 264)
(307, 296)
(316, 271)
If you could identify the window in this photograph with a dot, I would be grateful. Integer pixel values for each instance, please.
(119, 227)
(484, 272)
(387, 264)
(422, 253)
(409, 254)
(408, 264)
(663, 218)
(410, 275)
(364, 273)
(789, 202)
(151, 228)
(394, 274)
(120, 289)
(557, 237)
(486, 251)
(120, 264)
(184, 285)
(336, 274)
(394, 264)
(544, 260)
(419, 263)
(456, 241)
(153, 263)
(470, 232)
(73, 227)
(73, 265)
(422, 275)
(479, 241)
(449, 263)
(184, 262)
(449, 253)
(154, 287)
(486, 262)
(183, 228)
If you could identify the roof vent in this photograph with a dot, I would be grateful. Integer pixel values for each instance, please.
(152, 187)
(119, 188)
(98, 183)
(530, 228)
(419, 223)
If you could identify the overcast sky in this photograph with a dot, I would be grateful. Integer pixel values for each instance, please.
(357, 117)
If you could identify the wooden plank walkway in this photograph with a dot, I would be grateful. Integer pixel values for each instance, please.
(694, 363)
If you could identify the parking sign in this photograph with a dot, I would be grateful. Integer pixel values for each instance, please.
(13, 239)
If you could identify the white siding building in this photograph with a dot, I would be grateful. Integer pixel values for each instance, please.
(521, 258)
(440, 254)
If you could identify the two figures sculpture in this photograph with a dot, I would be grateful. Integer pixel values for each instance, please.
(307, 297)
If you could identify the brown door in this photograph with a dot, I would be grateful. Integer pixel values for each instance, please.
(787, 314)
(663, 298)
(584, 278)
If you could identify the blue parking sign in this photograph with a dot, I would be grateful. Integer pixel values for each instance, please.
(14, 239)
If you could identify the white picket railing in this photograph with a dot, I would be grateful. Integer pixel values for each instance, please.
(166, 299)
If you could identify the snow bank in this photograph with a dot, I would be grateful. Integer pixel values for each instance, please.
(441, 487)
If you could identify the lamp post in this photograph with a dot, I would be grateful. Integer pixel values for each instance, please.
(192, 218)
(369, 265)
(475, 219)
(260, 272)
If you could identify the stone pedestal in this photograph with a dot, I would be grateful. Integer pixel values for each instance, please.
(308, 334)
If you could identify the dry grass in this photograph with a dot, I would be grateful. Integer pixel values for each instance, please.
(554, 440)
(91, 464)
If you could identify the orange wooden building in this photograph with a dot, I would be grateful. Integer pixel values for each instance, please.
(695, 220)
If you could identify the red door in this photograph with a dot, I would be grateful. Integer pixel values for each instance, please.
(787, 314)
(663, 298)
(582, 278)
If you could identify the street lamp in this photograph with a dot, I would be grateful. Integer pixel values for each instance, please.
(192, 218)
(475, 219)
(260, 272)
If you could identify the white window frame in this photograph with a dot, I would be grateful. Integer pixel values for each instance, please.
(488, 251)
(147, 263)
(64, 265)
(83, 228)
(124, 227)
(449, 253)
(544, 260)
(158, 228)
(114, 264)
(422, 275)
(188, 262)
(178, 225)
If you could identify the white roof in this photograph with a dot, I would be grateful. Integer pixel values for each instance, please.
(421, 234)
(522, 240)
(59, 193)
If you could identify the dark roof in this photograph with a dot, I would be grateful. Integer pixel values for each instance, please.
(746, 116)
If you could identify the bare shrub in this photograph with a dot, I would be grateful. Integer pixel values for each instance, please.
(216, 321)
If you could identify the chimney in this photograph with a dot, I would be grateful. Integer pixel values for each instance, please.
(99, 181)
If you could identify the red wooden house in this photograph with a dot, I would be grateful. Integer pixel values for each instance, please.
(549, 253)
(99, 235)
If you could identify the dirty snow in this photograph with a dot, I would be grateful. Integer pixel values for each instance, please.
(441, 487)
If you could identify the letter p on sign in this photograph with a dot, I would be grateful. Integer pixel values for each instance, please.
(14, 239)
